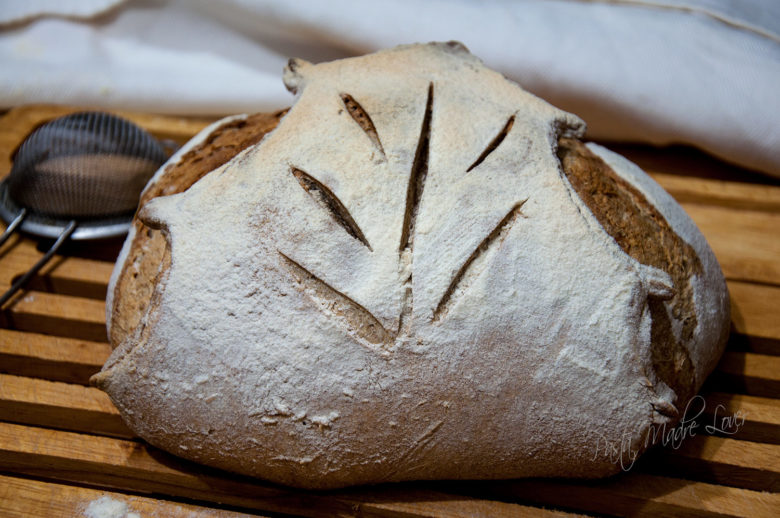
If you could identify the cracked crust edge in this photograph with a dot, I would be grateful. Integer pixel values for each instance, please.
(678, 337)
(143, 249)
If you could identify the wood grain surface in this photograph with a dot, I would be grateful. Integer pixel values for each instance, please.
(64, 447)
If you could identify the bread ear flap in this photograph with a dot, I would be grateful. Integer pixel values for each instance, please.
(658, 283)
(154, 213)
(294, 73)
(457, 47)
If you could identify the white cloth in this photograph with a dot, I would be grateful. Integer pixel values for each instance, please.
(699, 72)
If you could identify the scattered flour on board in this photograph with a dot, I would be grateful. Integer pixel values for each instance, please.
(107, 507)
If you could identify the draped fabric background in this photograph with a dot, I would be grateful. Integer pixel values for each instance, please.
(699, 72)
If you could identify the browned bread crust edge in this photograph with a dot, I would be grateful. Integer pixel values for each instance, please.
(135, 283)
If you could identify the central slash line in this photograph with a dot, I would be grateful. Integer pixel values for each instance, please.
(414, 191)
(417, 176)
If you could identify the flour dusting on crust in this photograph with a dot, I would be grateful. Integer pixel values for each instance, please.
(399, 283)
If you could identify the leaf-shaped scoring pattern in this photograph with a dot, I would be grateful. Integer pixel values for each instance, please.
(356, 319)
(306, 338)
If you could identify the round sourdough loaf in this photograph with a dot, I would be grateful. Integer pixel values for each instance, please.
(418, 272)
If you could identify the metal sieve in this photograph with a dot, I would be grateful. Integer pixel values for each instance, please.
(77, 177)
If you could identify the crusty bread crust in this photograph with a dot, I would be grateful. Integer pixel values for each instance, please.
(623, 211)
(133, 287)
(644, 234)
(536, 312)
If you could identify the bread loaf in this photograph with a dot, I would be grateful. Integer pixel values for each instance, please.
(420, 272)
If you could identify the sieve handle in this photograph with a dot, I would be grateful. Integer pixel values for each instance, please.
(15, 223)
(41, 262)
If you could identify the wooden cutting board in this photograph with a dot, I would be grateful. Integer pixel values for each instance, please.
(64, 448)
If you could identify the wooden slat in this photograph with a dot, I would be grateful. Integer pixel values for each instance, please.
(26, 498)
(727, 194)
(718, 460)
(51, 357)
(132, 466)
(640, 494)
(60, 315)
(746, 242)
(761, 416)
(406, 502)
(59, 405)
(748, 373)
(755, 309)
(64, 275)
(753, 344)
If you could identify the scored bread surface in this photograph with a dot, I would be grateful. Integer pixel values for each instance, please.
(144, 249)
(419, 273)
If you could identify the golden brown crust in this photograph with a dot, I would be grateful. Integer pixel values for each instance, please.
(644, 234)
(143, 265)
